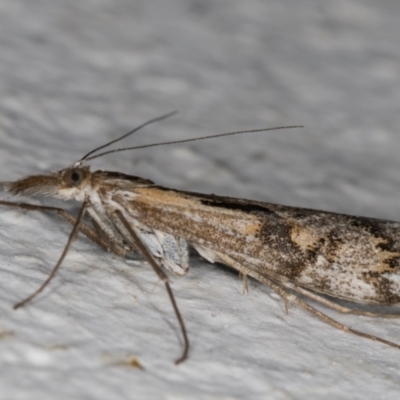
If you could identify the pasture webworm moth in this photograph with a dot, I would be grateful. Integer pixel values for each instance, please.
(299, 253)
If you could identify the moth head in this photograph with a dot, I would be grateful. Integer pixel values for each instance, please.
(67, 184)
(75, 176)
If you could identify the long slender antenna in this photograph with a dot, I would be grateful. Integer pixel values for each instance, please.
(190, 140)
(129, 133)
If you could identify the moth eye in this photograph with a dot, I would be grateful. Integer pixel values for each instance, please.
(74, 176)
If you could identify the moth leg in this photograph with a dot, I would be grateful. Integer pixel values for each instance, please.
(287, 296)
(53, 273)
(112, 246)
(337, 307)
(320, 315)
(287, 305)
(163, 276)
(245, 281)
(88, 231)
(245, 270)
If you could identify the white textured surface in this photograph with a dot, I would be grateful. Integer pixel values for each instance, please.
(76, 74)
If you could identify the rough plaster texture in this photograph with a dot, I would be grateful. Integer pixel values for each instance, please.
(76, 74)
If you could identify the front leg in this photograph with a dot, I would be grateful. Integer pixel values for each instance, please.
(87, 230)
(282, 288)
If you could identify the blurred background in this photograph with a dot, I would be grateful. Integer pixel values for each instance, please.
(75, 74)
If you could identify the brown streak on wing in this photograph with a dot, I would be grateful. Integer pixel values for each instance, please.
(354, 258)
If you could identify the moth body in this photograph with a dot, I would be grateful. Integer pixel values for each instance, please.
(295, 251)
(352, 258)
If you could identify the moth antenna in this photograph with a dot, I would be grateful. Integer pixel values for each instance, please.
(129, 133)
(190, 140)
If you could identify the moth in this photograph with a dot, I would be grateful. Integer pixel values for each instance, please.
(299, 253)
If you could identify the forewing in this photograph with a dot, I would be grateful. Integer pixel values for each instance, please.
(170, 250)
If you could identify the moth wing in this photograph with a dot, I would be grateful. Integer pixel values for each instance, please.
(151, 242)
(176, 252)
(207, 253)
(171, 251)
